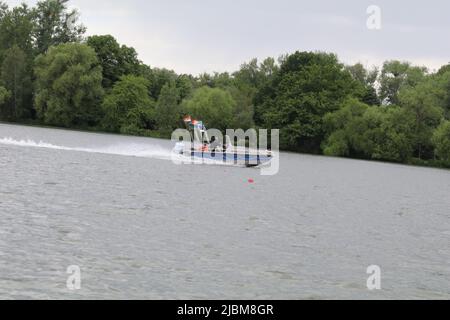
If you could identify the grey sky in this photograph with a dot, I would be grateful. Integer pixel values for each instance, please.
(194, 36)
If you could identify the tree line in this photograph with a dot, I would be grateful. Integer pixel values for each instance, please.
(52, 74)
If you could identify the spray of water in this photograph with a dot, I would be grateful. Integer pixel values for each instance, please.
(131, 150)
(121, 149)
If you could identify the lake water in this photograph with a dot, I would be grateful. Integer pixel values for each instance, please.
(141, 227)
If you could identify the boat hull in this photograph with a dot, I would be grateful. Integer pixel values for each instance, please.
(249, 160)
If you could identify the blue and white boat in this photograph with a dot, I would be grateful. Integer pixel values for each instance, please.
(200, 147)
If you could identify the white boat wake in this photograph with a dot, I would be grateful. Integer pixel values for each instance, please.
(122, 149)
(138, 150)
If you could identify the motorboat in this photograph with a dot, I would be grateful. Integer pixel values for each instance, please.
(202, 147)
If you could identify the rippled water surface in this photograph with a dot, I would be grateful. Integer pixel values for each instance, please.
(142, 227)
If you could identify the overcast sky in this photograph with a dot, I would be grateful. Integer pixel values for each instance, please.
(195, 36)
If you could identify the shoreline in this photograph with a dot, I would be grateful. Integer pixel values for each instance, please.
(162, 136)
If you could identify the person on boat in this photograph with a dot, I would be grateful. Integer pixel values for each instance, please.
(214, 144)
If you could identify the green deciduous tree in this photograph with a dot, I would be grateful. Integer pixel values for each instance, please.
(361, 74)
(244, 111)
(254, 74)
(441, 83)
(128, 107)
(157, 79)
(56, 24)
(5, 95)
(444, 69)
(250, 80)
(424, 103)
(395, 75)
(68, 86)
(366, 78)
(341, 127)
(16, 78)
(16, 58)
(116, 60)
(184, 84)
(168, 110)
(391, 140)
(16, 29)
(212, 105)
(441, 141)
(308, 86)
(362, 131)
(3, 9)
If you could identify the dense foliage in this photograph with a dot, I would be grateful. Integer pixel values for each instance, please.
(308, 86)
(441, 140)
(68, 86)
(215, 106)
(50, 73)
(128, 108)
(115, 60)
